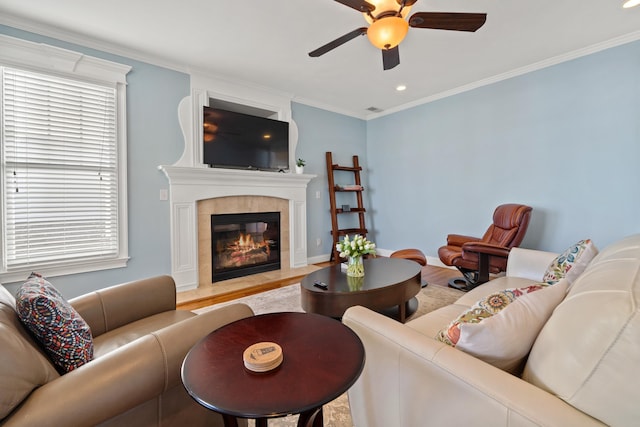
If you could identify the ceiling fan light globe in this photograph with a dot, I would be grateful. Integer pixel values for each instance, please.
(387, 33)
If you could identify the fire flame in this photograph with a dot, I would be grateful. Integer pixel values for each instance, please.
(245, 243)
(243, 251)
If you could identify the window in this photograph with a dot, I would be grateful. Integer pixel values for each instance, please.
(63, 186)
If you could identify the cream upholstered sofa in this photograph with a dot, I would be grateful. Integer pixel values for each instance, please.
(139, 343)
(582, 370)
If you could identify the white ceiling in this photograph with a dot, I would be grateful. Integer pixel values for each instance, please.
(266, 42)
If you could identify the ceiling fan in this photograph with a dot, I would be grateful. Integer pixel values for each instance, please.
(388, 25)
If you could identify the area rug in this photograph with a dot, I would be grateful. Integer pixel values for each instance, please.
(336, 413)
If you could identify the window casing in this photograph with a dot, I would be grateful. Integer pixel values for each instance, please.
(62, 160)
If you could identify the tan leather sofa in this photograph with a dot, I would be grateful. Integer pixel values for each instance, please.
(140, 341)
(583, 368)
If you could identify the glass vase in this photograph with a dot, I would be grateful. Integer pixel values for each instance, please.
(355, 283)
(355, 267)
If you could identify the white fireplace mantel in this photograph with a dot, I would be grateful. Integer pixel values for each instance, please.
(190, 184)
(190, 180)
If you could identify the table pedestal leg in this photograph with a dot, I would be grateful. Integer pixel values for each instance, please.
(229, 420)
(311, 418)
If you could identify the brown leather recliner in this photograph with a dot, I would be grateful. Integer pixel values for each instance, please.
(477, 257)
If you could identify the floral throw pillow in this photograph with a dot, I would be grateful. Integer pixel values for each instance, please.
(571, 263)
(501, 327)
(483, 309)
(64, 335)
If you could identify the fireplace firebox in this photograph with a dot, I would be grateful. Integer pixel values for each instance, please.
(244, 244)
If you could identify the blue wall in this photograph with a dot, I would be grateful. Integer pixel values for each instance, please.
(321, 131)
(564, 140)
(154, 138)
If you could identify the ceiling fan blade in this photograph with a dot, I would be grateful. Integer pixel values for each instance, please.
(448, 21)
(359, 5)
(390, 58)
(338, 42)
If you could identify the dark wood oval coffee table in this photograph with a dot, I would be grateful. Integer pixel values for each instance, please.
(322, 359)
(387, 283)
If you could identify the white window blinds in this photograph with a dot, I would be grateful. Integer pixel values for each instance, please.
(60, 170)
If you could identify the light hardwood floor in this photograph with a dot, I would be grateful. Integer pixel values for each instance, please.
(191, 300)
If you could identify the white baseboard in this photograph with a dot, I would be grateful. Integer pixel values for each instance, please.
(318, 259)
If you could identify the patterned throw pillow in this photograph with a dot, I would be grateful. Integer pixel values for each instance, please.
(571, 263)
(64, 335)
(501, 327)
(483, 309)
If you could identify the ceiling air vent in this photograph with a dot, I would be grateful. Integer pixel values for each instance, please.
(375, 109)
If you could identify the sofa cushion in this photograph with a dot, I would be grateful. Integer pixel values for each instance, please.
(572, 262)
(588, 353)
(58, 327)
(431, 323)
(23, 366)
(501, 327)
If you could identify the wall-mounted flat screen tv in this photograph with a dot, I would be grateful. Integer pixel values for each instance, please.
(242, 141)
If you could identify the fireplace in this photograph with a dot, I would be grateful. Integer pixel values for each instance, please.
(244, 244)
(197, 192)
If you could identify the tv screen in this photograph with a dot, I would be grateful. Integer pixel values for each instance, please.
(241, 141)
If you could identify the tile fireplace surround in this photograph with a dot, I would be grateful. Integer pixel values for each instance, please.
(188, 185)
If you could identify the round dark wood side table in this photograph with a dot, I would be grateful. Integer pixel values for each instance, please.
(322, 358)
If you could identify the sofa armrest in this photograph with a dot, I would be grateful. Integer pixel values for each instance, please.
(411, 380)
(123, 379)
(193, 330)
(115, 306)
(529, 263)
(459, 239)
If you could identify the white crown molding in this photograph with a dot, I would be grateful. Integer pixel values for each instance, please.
(330, 108)
(89, 42)
(43, 57)
(618, 41)
(202, 78)
(115, 49)
(83, 40)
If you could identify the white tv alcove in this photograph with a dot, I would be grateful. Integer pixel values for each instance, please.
(190, 180)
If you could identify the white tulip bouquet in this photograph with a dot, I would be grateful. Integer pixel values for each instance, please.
(355, 247)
